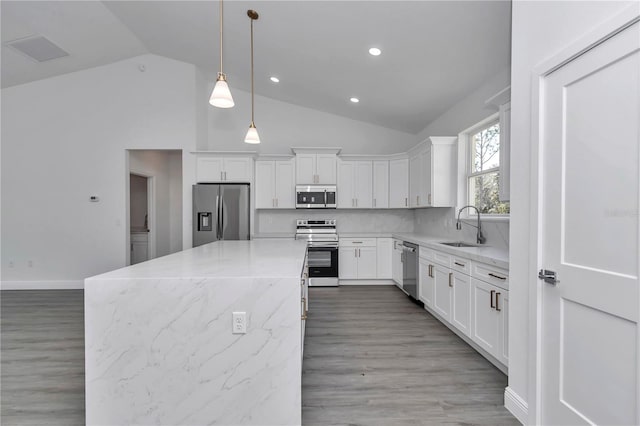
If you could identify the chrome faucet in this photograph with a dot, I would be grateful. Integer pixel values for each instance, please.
(480, 239)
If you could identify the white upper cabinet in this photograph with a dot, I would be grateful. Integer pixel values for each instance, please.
(432, 173)
(355, 184)
(381, 184)
(212, 168)
(275, 186)
(398, 183)
(316, 168)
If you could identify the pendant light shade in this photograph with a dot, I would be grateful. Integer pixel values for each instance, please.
(221, 95)
(252, 134)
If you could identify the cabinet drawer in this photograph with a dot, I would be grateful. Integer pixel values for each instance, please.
(427, 253)
(461, 264)
(490, 274)
(358, 242)
(442, 258)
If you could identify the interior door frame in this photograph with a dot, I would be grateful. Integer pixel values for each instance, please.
(607, 29)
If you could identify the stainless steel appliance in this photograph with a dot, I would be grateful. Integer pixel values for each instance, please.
(220, 212)
(410, 269)
(322, 249)
(315, 197)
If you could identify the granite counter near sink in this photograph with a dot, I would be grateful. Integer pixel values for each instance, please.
(486, 254)
(159, 347)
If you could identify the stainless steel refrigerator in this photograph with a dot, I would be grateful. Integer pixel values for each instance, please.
(220, 212)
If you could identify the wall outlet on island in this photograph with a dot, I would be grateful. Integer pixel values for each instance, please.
(239, 323)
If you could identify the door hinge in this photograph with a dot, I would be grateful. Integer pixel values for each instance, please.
(549, 277)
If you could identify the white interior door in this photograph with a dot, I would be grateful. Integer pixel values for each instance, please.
(590, 236)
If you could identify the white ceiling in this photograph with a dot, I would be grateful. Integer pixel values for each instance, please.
(433, 52)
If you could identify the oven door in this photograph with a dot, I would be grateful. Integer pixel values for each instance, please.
(323, 265)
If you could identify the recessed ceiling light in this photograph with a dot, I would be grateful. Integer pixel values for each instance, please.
(375, 51)
(354, 100)
(275, 79)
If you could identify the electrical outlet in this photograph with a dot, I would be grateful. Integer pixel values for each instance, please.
(239, 323)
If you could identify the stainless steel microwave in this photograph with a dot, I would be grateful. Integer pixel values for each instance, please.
(315, 197)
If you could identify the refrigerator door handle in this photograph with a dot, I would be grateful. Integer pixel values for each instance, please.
(221, 220)
(217, 217)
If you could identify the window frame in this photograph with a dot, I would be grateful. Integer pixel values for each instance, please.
(465, 167)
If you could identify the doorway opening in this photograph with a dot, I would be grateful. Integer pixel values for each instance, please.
(140, 207)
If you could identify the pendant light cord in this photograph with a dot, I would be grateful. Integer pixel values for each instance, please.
(252, 101)
(221, 20)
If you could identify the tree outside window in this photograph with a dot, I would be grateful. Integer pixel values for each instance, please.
(485, 171)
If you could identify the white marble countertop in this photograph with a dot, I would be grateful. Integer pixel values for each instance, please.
(486, 254)
(280, 257)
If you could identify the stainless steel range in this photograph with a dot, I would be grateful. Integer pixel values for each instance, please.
(322, 246)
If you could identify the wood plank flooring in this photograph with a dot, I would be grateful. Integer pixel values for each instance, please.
(374, 358)
(371, 358)
(42, 357)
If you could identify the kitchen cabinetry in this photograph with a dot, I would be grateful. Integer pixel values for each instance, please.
(384, 258)
(357, 258)
(490, 311)
(432, 173)
(396, 263)
(315, 169)
(399, 183)
(224, 169)
(275, 186)
(355, 184)
(381, 184)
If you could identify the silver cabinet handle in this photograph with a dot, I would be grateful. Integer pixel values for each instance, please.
(497, 300)
(406, 202)
(356, 242)
(450, 279)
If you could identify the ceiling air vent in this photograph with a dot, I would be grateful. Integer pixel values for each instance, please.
(38, 48)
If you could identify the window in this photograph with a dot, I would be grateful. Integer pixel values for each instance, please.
(483, 178)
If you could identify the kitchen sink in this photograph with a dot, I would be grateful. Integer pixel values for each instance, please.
(459, 244)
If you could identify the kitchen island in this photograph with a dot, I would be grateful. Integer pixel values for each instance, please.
(159, 342)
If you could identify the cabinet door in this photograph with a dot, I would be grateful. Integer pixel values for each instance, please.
(414, 180)
(503, 332)
(326, 169)
(425, 178)
(238, 169)
(381, 184)
(485, 321)
(442, 173)
(384, 256)
(367, 257)
(397, 263)
(264, 186)
(347, 263)
(460, 304)
(426, 283)
(209, 169)
(345, 187)
(442, 292)
(285, 186)
(363, 191)
(305, 169)
(399, 183)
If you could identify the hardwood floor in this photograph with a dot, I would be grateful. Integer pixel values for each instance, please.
(371, 358)
(42, 357)
(374, 358)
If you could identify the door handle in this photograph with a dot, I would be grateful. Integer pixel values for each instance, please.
(491, 303)
(549, 277)
(497, 300)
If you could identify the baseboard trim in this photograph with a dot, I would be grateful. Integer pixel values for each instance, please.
(42, 285)
(516, 405)
(366, 282)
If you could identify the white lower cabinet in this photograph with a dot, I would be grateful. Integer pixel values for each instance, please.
(396, 262)
(460, 300)
(384, 258)
(490, 311)
(426, 282)
(442, 284)
(357, 258)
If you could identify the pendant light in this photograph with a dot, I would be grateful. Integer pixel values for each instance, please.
(221, 95)
(252, 134)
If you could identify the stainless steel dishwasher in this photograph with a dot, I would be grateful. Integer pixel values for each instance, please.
(410, 269)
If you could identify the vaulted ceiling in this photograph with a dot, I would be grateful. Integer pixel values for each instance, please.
(434, 53)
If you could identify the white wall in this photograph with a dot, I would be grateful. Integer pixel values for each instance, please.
(282, 125)
(540, 30)
(165, 167)
(64, 139)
